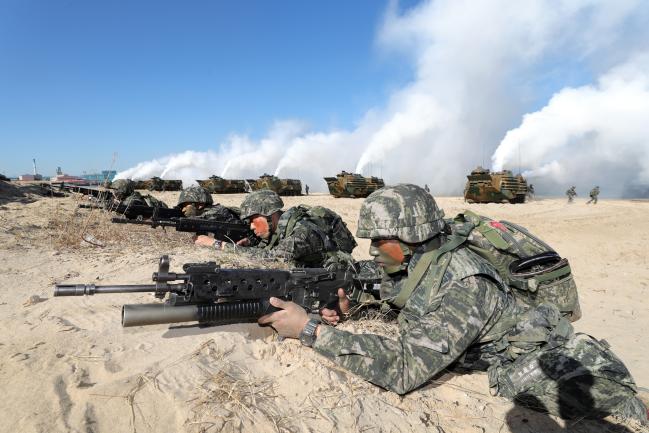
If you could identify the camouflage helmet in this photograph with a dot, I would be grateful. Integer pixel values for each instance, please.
(195, 194)
(123, 187)
(263, 202)
(405, 211)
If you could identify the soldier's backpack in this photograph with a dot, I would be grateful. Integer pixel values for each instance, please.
(529, 266)
(328, 221)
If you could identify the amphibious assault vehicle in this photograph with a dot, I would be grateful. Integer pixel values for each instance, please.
(274, 183)
(218, 185)
(157, 184)
(483, 186)
(353, 185)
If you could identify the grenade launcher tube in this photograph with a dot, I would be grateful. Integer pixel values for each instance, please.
(213, 314)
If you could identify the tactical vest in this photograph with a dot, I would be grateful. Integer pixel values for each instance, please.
(339, 238)
(533, 271)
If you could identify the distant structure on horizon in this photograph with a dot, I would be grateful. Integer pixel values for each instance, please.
(34, 176)
(100, 178)
(84, 179)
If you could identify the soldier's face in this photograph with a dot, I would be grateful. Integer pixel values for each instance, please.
(259, 225)
(388, 253)
(189, 210)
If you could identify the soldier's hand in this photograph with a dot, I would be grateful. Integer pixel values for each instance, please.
(243, 242)
(332, 317)
(289, 321)
(203, 241)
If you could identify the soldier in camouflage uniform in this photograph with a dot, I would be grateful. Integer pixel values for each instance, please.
(593, 195)
(122, 188)
(302, 245)
(571, 193)
(124, 191)
(196, 202)
(455, 310)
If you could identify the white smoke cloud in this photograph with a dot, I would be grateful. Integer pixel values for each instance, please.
(596, 134)
(477, 67)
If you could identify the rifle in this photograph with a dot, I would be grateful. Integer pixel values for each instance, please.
(135, 211)
(223, 231)
(210, 295)
(95, 192)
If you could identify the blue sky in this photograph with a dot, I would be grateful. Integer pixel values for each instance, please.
(416, 91)
(80, 80)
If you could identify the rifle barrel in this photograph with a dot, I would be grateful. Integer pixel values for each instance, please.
(91, 289)
(121, 220)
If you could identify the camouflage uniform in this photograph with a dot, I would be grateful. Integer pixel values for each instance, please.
(461, 313)
(194, 196)
(593, 195)
(124, 192)
(137, 199)
(571, 193)
(203, 207)
(122, 188)
(303, 245)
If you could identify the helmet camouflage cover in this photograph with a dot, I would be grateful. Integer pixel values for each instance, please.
(195, 194)
(405, 211)
(263, 202)
(123, 187)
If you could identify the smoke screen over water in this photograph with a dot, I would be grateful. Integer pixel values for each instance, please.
(488, 86)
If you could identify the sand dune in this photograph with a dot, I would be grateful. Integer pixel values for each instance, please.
(68, 365)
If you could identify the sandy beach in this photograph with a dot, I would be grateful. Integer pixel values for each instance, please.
(67, 365)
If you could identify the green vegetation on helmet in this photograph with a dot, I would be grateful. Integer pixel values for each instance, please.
(405, 212)
(195, 194)
(123, 188)
(263, 202)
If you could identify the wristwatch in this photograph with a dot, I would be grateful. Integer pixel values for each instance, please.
(307, 336)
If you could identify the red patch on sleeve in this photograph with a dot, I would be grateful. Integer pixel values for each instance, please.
(498, 225)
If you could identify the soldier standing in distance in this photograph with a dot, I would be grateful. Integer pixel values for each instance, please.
(593, 195)
(571, 193)
(426, 188)
(306, 188)
(456, 309)
(530, 191)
